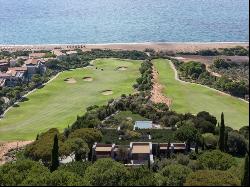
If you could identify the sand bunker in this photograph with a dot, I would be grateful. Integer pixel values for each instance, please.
(88, 79)
(122, 68)
(70, 80)
(107, 92)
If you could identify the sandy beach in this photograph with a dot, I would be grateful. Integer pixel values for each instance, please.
(167, 46)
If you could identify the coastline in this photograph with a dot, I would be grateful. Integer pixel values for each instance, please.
(169, 46)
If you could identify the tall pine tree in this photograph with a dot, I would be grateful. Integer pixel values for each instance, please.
(245, 180)
(222, 134)
(55, 155)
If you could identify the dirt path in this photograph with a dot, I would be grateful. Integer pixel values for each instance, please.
(212, 73)
(157, 95)
(5, 147)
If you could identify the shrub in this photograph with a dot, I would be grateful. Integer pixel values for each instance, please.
(237, 144)
(212, 178)
(210, 140)
(175, 174)
(106, 172)
(216, 160)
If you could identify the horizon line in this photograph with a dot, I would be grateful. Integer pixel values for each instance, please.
(123, 43)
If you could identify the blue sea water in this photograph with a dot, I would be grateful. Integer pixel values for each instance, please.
(117, 21)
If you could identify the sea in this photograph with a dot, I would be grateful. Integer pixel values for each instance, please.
(123, 21)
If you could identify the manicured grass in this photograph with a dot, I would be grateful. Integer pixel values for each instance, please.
(195, 98)
(129, 114)
(58, 103)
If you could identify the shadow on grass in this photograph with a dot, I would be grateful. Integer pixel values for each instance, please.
(41, 86)
(15, 105)
(24, 99)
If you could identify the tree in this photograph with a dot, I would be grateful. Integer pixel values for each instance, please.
(222, 134)
(55, 155)
(168, 149)
(23, 172)
(216, 160)
(122, 154)
(66, 178)
(174, 174)
(187, 133)
(226, 140)
(89, 135)
(211, 178)
(245, 180)
(244, 131)
(210, 140)
(41, 148)
(237, 144)
(106, 172)
(141, 176)
(208, 117)
(75, 146)
(76, 167)
(37, 79)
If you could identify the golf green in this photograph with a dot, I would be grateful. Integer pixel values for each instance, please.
(59, 102)
(194, 98)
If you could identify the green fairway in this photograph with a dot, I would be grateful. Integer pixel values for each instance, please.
(59, 102)
(195, 98)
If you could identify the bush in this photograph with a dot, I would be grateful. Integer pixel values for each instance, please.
(216, 160)
(236, 143)
(106, 172)
(212, 178)
(23, 172)
(182, 159)
(210, 140)
(175, 174)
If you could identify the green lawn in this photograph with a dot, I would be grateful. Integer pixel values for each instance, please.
(129, 114)
(58, 103)
(194, 98)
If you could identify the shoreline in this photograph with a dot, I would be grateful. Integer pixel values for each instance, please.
(140, 46)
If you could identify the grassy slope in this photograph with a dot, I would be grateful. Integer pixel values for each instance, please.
(58, 103)
(194, 98)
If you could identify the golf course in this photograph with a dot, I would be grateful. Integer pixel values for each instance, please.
(193, 98)
(58, 103)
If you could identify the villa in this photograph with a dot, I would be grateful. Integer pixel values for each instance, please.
(59, 55)
(4, 64)
(103, 150)
(36, 55)
(34, 66)
(13, 76)
(141, 152)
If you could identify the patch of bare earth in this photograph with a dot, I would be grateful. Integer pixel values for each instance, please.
(107, 92)
(156, 93)
(6, 147)
(88, 79)
(70, 80)
(122, 68)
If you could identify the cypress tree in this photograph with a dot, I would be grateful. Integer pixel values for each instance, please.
(55, 155)
(226, 139)
(222, 134)
(203, 144)
(245, 180)
(196, 148)
(37, 136)
(168, 149)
